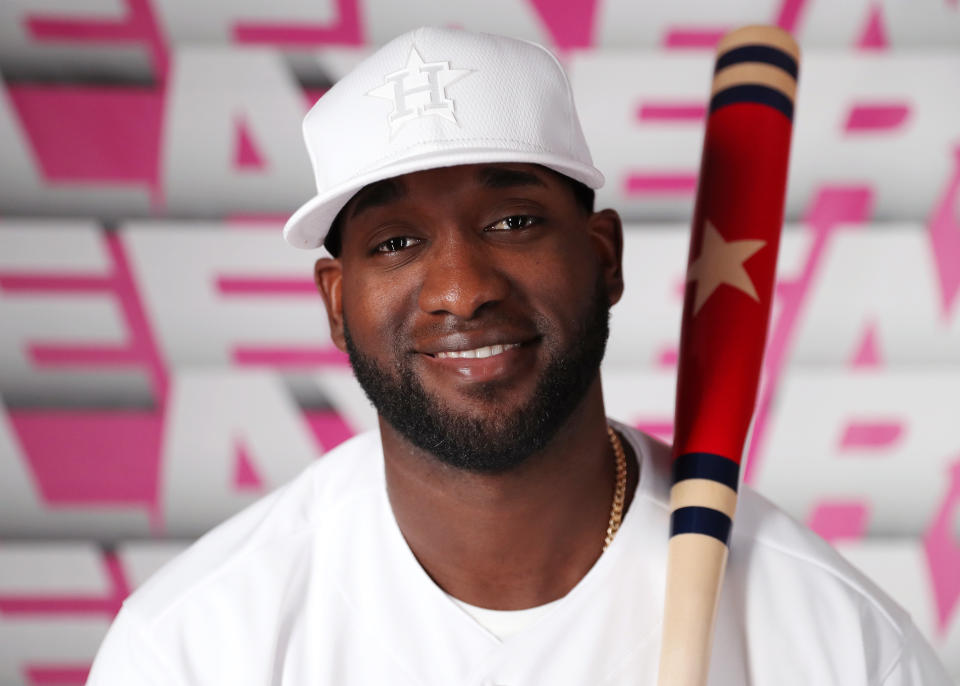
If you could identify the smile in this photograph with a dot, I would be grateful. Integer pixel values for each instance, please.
(477, 353)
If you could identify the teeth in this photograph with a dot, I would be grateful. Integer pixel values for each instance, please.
(479, 353)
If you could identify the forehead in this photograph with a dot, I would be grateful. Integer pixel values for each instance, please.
(476, 176)
(480, 179)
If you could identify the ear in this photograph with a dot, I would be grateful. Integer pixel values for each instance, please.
(328, 275)
(606, 234)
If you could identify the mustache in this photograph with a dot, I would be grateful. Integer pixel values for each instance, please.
(448, 325)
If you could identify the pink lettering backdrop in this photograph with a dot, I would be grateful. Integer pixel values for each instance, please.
(164, 357)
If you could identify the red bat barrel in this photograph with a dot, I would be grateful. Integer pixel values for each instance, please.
(730, 275)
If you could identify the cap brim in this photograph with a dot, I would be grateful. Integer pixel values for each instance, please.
(308, 226)
(318, 211)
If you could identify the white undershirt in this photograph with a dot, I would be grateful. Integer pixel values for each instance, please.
(504, 623)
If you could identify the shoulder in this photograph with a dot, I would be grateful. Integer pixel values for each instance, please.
(791, 601)
(792, 594)
(763, 533)
(241, 588)
(268, 539)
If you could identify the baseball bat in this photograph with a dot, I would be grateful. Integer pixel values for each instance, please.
(730, 274)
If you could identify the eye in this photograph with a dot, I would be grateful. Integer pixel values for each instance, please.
(514, 222)
(395, 244)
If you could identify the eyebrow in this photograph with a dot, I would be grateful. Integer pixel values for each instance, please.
(384, 192)
(377, 194)
(498, 177)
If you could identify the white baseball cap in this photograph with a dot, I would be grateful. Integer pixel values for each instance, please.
(436, 98)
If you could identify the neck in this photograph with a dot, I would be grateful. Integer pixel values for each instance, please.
(517, 539)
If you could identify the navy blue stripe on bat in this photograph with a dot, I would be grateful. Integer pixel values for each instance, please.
(759, 53)
(707, 466)
(751, 92)
(700, 520)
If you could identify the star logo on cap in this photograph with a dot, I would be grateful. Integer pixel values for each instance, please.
(721, 262)
(419, 90)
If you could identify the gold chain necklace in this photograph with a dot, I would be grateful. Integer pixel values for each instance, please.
(619, 491)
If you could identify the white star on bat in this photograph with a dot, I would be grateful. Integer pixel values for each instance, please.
(721, 262)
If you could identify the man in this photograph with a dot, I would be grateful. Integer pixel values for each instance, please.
(497, 529)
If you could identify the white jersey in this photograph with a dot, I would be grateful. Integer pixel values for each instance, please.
(315, 585)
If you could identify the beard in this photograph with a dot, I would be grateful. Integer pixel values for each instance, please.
(503, 440)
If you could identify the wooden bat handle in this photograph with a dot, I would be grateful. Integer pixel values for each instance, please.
(733, 251)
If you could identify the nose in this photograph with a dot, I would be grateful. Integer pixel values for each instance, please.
(460, 277)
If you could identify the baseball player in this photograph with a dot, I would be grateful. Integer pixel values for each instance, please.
(498, 528)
